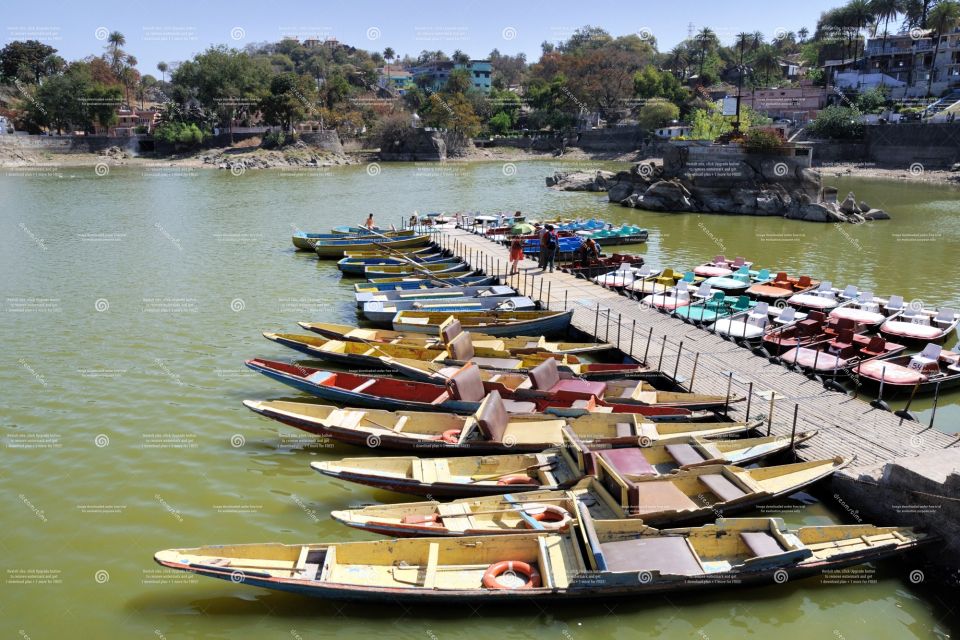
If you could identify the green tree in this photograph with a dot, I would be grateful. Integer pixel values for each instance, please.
(657, 113)
(707, 41)
(838, 122)
(500, 123)
(114, 41)
(224, 81)
(26, 60)
(459, 81)
(650, 82)
(162, 68)
(291, 99)
(60, 103)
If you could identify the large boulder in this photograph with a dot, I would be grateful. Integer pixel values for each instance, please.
(620, 191)
(581, 181)
(666, 195)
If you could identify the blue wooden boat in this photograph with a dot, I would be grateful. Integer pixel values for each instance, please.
(412, 284)
(383, 312)
(357, 266)
(435, 293)
(446, 276)
(566, 245)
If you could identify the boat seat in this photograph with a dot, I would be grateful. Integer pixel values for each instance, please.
(761, 544)
(467, 384)
(535, 432)
(667, 555)
(319, 377)
(365, 385)
(629, 462)
(722, 487)
(545, 375)
(573, 386)
(684, 454)
(497, 363)
(492, 417)
(657, 495)
(625, 430)
(519, 406)
(875, 347)
(461, 347)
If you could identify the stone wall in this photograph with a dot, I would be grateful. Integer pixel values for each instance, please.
(74, 144)
(922, 491)
(896, 145)
(423, 145)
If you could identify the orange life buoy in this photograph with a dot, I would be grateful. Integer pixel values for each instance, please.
(516, 479)
(451, 436)
(515, 567)
(550, 516)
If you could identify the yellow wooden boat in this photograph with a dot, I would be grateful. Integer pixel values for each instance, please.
(687, 495)
(452, 275)
(490, 430)
(552, 469)
(517, 345)
(602, 559)
(306, 241)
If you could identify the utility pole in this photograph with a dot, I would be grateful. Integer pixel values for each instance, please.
(736, 124)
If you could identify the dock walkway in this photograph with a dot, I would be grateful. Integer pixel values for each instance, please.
(709, 364)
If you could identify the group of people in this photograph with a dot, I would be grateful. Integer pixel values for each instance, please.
(547, 255)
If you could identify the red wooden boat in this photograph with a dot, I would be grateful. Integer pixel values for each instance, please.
(929, 371)
(465, 390)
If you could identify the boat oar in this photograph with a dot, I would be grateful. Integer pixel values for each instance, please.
(417, 268)
(507, 473)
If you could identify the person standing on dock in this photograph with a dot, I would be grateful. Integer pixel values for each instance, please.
(516, 254)
(551, 245)
(542, 247)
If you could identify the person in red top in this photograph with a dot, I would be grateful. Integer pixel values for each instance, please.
(516, 255)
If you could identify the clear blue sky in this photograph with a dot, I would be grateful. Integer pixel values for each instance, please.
(174, 30)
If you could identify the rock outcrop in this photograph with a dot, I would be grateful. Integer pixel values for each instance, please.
(581, 181)
(724, 179)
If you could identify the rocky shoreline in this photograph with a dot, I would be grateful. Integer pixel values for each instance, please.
(729, 181)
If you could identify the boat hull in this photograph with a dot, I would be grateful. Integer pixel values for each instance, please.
(553, 325)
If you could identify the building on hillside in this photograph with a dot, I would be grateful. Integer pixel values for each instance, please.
(434, 76)
(902, 64)
(395, 79)
(799, 104)
(129, 120)
(673, 131)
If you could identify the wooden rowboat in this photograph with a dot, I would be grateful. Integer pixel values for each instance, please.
(517, 345)
(435, 293)
(553, 469)
(490, 430)
(381, 392)
(495, 323)
(356, 266)
(684, 496)
(460, 351)
(306, 241)
(450, 265)
(374, 252)
(454, 277)
(439, 280)
(592, 560)
(382, 313)
(327, 248)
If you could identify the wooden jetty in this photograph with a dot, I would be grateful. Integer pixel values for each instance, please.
(707, 363)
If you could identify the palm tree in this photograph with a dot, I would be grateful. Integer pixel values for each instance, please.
(678, 62)
(706, 41)
(860, 15)
(116, 40)
(162, 68)
(803, 33)
(916, 12)
(885, 11)
(128, 76)
(388, 55)
(942, 18)
(767, 61)
(460, 57)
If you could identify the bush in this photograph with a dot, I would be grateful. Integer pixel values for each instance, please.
(656, 113)
(279, 138)
(761, 141)
(180, 133)
(500, 123)
(839, 123)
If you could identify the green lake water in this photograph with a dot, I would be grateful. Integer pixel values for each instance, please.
(130, 301)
